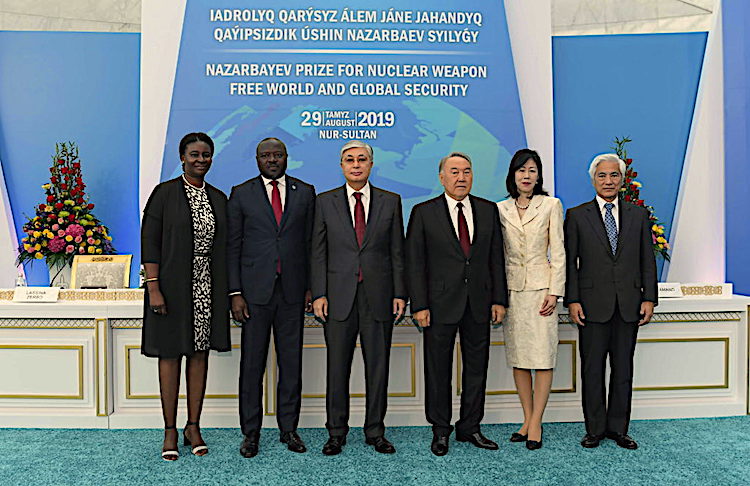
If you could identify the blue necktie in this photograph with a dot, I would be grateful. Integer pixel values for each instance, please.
(611, 226)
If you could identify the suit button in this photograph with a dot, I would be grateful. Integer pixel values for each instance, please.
(467, 262)
(466, 280)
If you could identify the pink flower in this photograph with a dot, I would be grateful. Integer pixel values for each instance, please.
(90, 240)
(56, 245)
(55, 227)
(60, 220)
(81, 250)
(70, 249)
(79, 239)
(60, 233)
(75, 230)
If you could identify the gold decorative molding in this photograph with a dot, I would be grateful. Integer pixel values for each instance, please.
(78, 396)
(675, 317)
(89, 295)
(573, 370)
(703, 290)
(724, 340)
(46, 323)
(128, 380)
(413, 368)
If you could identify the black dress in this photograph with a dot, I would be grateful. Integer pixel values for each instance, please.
(192, 270)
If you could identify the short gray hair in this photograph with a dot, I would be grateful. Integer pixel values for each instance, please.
(607, 158)
(356, 144)
(453, 154)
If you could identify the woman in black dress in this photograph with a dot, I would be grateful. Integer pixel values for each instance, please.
(186, 307)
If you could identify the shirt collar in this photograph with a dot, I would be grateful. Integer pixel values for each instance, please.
(365, 191)
(601, 202)
(452, 203)
(282, 181)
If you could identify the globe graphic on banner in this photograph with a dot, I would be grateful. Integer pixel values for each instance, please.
(406, 159)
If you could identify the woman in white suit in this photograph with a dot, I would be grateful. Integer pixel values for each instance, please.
(532, 224)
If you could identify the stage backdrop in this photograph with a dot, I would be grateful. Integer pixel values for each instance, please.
(69, 86)
(414, 79)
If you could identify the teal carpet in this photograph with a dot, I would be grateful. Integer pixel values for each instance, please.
(679, 452)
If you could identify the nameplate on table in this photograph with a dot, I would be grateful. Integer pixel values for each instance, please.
(36, 294)
(669, 290)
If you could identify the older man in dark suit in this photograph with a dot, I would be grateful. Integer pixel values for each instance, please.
(270, 225)
(611, 290)
(456, 269)
(358, 285)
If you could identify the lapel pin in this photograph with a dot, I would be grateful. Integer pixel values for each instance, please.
(294, 187)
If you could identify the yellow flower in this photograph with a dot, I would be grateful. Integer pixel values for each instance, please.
(44, 243)
(109, 238)
(46, 186)
(89, 233)
(48, 208)
(26, 247)
(98, 251)
(69, 202)
(91, 250)
(37, 234)
(655, 228)
(661, 239)
(38, 256)
(97, 241)
(68, 238)
(636, 183)
(37, 247)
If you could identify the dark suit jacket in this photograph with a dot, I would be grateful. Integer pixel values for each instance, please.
(256, 242)
(441, 278)
(336, 256)
(167, 239)
(597, 279)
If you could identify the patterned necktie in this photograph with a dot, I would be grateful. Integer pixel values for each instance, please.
(277, 211)
(463, 231)
(359, 223)
(611, 226)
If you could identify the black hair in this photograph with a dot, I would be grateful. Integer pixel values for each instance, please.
(519, 159)
(195, 137)
(275, 140)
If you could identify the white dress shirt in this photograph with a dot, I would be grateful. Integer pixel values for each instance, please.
(282, 189)
(468, 214)
(353, 200)
(615, 210)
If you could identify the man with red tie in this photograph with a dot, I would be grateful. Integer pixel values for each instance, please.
(357, 266)
(456, 276)
(270, 225)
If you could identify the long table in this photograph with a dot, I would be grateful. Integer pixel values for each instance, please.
(77, 363)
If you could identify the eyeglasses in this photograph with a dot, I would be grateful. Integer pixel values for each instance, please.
(268, 155)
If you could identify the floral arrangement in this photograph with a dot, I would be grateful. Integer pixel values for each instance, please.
(631, 192)
(64, 225)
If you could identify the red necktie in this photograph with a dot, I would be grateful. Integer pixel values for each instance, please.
(463, 230)
(359, 223)
(276, 205)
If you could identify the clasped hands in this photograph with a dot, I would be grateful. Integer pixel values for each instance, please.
(497, 315)
(241, 312)
(576, 313)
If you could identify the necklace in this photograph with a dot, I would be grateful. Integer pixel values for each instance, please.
(522, 207)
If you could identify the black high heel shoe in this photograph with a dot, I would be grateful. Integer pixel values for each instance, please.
(533, 445)
(168, 454)
(516, 437)
(198, 449)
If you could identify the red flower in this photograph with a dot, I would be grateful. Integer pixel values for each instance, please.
(60, 161)
(59, 206)
(79, 200)
(635, 174)
(53, 180)
(71, 217)
(76, 165)
(64, 187)
(79, 180)
(52, 169)
(64, 170)
(41, 207)
(90, 206)
(50, 198)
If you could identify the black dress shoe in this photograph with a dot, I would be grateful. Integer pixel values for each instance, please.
(249, 447)
(334, 445)
(590, 441)
(293, 442)
(623, 440)
(516, 437)
(533, 445)
(439, 445)
(381, 444)
(478, 440)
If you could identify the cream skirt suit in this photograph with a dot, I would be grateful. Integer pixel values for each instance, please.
(535, 268)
